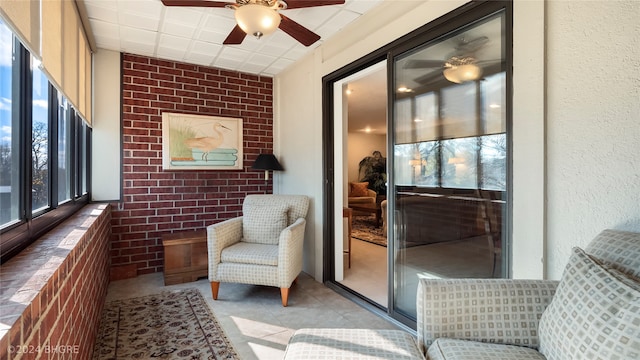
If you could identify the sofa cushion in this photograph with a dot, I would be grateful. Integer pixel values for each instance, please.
(352, 344)
(357, 189)
(618, 249)
(263, 223)
(595, 313)
(250, 253)
(453, 349)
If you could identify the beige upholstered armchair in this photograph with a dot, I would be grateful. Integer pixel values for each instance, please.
(262, 247)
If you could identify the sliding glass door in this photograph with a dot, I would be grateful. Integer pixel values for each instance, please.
(449, 146)
(444, 212)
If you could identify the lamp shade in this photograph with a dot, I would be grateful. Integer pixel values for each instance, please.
(257, 20)
(463, 73)
(267, 162)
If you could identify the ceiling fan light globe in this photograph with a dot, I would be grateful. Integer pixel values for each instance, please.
(452, 75)
(257, 20)
(462, 73)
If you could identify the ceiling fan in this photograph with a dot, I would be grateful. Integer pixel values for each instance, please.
(261, 17)
(460, 66)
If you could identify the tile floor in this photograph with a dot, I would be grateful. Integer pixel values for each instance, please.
(253, 317)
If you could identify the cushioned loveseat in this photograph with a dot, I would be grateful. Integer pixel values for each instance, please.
(593, 312)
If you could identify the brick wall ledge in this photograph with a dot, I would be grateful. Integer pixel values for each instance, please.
(55, 285)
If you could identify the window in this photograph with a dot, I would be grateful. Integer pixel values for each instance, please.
(9, 142)
(39, 140)
(43, 150)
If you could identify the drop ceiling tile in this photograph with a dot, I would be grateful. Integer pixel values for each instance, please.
(183, 15)
(251, 68)
(212, 36)
(230, 64)
(107, 43)
(150, 8)
(137, 47)
(170, 53)
(138, 21)
(105, 29)
(296, 52)
(274, 48)
(102, 10)
(234, 54)
(176, 29)
(337, 22)
(205, 48)
(312, 17)
(278, 66)
(130, 38)
(173, 42)
(198, 59)
(361, 6)
(216, 22)
(259, 59)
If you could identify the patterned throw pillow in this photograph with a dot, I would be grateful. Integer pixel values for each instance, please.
(595, 314)
(262, 224)
(358, 189)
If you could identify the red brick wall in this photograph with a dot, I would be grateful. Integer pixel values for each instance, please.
(56, 314)
(158, 201)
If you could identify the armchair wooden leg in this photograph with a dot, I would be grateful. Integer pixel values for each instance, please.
(284, 292)
(215, 285)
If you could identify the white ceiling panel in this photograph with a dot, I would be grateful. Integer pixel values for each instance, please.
(104, 10)
(195, 34)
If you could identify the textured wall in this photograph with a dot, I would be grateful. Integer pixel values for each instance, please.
(593, 123)
(156, 201)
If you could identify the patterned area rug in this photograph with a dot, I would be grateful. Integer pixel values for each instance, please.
(364, 228)
(169, 325)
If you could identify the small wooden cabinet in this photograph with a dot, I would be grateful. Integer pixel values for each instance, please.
(185, 256)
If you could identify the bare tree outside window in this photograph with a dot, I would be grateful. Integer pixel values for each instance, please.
(40, 168)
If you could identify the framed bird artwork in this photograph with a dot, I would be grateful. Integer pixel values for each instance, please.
(198, 142)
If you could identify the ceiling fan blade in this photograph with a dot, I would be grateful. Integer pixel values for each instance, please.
(298, 32)
(236, 36)
(297, 4)
(419, 64)
(196, 3)
(429, 77)
(472, 45)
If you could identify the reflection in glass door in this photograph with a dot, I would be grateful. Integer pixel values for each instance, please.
(449, 149)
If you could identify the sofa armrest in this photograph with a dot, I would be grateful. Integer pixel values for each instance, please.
(502, 311)
(220, 236)
(290, 252)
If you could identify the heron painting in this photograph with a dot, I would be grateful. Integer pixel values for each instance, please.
(198, 142)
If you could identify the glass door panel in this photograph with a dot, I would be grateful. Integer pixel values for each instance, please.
(449, 149)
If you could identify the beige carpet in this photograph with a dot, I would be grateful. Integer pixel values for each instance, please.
(168, 325)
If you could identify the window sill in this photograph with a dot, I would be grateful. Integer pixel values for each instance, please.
(66, 267)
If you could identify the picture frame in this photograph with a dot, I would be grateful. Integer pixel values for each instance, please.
(201, 142)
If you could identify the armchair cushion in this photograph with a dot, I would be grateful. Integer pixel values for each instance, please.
(595, 313)
(250, 253)
(450, 349)
(357, 189)
(503, 311)
(263, 223)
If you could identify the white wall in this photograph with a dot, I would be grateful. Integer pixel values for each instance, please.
(106, 136)
(361, 145)
(576, 102)
(593, 123)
